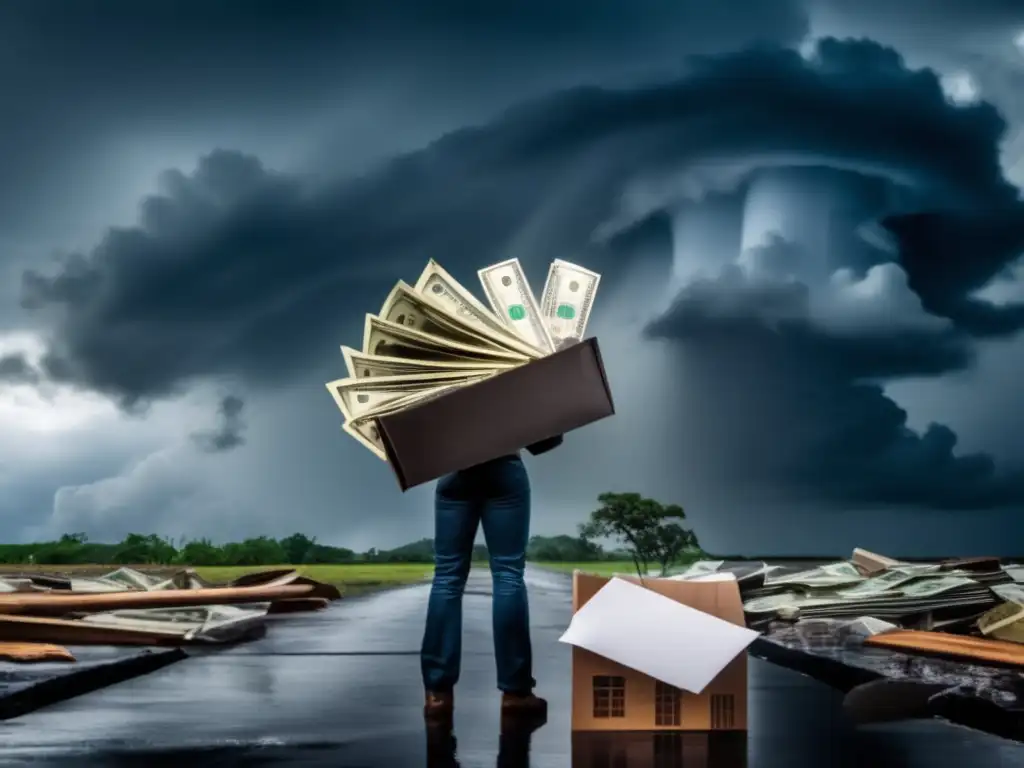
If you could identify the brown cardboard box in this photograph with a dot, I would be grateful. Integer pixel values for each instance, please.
(607, 696)
(498, 416)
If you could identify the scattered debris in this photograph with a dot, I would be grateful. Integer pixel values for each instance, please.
(978, 649)
(34, 652)
(899, 630)
(52, 604)
(951, 595)
(129, 607)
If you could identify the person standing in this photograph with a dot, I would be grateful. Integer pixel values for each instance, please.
(496, 496)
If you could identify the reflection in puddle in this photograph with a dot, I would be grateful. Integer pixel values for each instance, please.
(650, 749)
(513, 747)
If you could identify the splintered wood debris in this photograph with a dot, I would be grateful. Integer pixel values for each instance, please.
(129, 607)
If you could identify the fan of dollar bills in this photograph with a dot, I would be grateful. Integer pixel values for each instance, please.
(436, 336)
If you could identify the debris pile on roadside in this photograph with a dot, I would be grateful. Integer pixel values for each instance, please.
(129, 607)
(971, 609)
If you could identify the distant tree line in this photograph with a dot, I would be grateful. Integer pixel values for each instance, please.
(646, 531)
(297, 549)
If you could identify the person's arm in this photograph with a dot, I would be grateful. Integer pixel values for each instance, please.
(543, 446)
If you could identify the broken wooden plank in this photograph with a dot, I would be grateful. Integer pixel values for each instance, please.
(71, 632)
(283, 576)
(979, 649)
(34, 652)
(54, 604)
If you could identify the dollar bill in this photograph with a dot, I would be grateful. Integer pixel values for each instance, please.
(407, 308)
(512, 300)
(1015, 572)
(567, 300)
(774, 603)
(1012, 632)
(1011, 593)
(445, 292)
(1000, 617)
(366, 434)
(361, 365)
(929, 587)
(356, 397)
(392, 340)
(888, 580)
(831, 574)
(365, 430)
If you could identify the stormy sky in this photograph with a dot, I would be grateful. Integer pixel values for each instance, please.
(807, 216)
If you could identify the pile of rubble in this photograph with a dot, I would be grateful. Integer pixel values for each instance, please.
(41, 613)
(967, 608)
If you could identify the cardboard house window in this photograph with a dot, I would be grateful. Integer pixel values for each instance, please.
(667, 704)
(609, 696)
(722, 711)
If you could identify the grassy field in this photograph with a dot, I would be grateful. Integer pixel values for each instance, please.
(352, 579)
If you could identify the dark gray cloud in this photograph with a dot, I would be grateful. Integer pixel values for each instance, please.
(240, 270)
(229, 433)
(942, 19)
(949, 256)
(237, 270)
(813, 419)
(89, 85)
(16, 369)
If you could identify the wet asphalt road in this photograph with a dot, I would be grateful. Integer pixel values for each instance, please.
(341, 688)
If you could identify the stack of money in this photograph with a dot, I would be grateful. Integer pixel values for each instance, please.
(901, 591)
(435, 336)
(750, 575)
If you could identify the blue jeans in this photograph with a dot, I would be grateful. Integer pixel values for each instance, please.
(496, 495)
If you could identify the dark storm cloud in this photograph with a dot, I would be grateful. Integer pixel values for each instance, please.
(817, 430)
(76, 75)
(951, 255)
(230, 429)
(16, 369)
(816, 422)
(735, 305)
(238, 270)
(938, 21)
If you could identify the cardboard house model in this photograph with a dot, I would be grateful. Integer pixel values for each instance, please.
(691, 648)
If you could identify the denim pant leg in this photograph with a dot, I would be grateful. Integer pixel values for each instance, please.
(456, 517)
(506, 524)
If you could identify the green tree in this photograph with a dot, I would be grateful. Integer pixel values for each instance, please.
(421, 551)
(635, 522)
(201, 552)
(147, 549)
(670, 541)
(261, 550)
(321, 553)
(565, 549)
(297, 548)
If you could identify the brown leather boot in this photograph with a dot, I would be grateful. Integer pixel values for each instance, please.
(523, 705)
(439, 706)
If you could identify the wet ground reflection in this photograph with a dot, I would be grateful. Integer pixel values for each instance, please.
(513, 746)
(647, 749)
